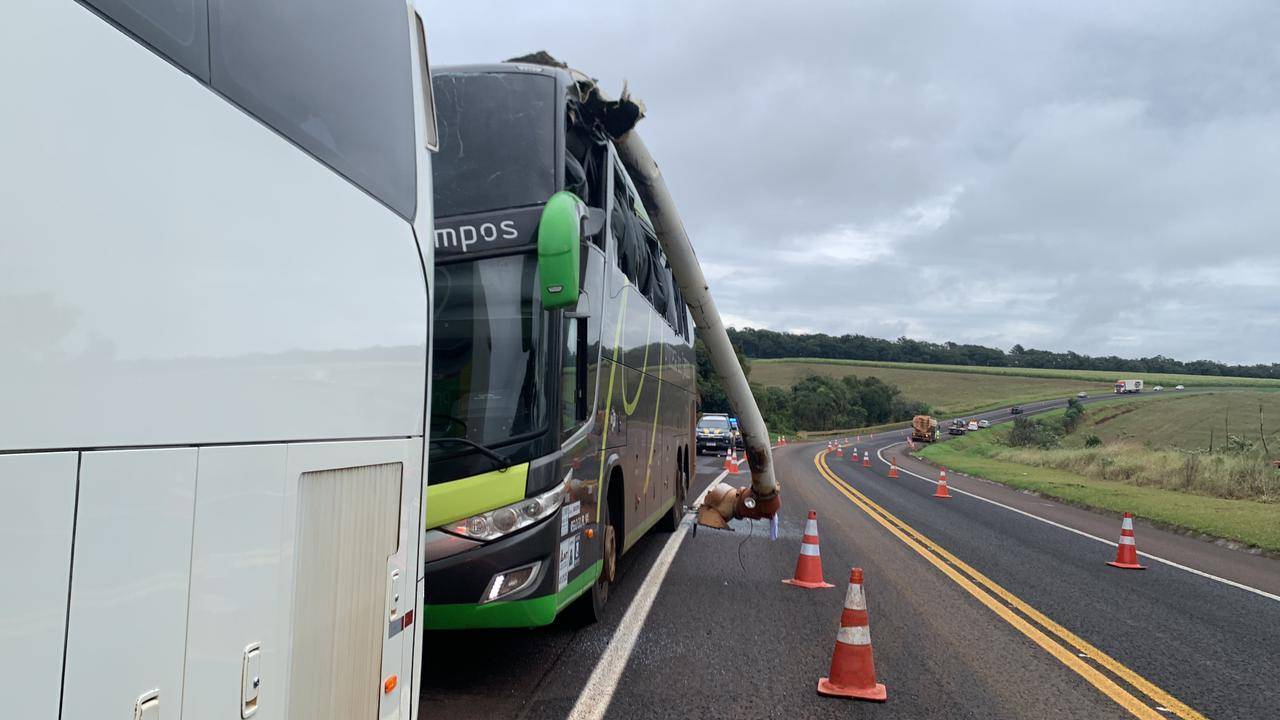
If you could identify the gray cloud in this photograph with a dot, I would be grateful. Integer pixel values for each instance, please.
(1084, 176)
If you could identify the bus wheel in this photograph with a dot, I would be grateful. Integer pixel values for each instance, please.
(590, 607)
(671, 520)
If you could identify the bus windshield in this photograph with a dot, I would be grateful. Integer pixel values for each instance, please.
(497, 141)
(489, 353)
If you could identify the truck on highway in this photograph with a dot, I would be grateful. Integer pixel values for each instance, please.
(924, 428)
(1128, 386)
(217, 222)
(563, 376)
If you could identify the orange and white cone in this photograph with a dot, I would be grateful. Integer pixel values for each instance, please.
(942, 491)
(839, 451)
(853, 670)
(809, 564)
(729, 464)
(732, 466)
(866, 459)
(893, 467)
(1127, 550)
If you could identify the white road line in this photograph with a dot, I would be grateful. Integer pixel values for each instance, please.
(598, 693)
(1082, 533)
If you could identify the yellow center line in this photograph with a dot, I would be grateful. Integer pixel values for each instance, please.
(1142, 684)
(952, 566)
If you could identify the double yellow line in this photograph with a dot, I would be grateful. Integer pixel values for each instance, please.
(1063, 644)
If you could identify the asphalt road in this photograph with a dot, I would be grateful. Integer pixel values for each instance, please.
(977, 611)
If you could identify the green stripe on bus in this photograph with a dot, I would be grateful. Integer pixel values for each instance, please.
(649, 522)
(531, 612)
(463, 498)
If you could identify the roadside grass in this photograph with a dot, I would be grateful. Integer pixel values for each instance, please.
(1187, 422)
(1071, 475)
(1169, 380)
(851, 432)
(948, 393)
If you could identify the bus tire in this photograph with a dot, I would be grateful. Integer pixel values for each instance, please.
(589, 609)
(671, 520)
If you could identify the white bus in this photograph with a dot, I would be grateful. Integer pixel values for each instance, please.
(215, 249)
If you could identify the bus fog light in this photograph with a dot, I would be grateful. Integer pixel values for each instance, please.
(511, 581)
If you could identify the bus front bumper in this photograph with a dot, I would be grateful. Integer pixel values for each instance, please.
(455, 584)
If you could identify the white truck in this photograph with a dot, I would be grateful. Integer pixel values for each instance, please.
(216, 220)
(1128, 386)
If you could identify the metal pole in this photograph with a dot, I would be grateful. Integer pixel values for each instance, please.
(762, 500)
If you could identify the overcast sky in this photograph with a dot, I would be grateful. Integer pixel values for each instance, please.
(1100, 177)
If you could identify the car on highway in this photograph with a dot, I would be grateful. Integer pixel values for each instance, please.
(984, 423)
(715, 433)
(1157, 388)
(973, 425)
(1015, 410)
(738, 440)
(1179, 387)
(957, 428)
(1082, 394)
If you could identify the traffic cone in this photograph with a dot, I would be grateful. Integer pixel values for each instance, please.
(866, 459)
(839, 451)
(809, 565)
(893, 467)
(733, 463)
(942, 491)
(1127, 550)
(853, 670)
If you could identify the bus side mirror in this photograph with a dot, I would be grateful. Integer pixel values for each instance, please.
(559, 240)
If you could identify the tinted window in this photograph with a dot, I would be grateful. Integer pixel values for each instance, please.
(714, 421)
(497, 141)
(334, 77)
(178, 29)
(488, 351)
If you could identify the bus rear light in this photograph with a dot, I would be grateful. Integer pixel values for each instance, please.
(510, 582)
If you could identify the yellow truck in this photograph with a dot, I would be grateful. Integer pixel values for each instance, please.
(924, 428)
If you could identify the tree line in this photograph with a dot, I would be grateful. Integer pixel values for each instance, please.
(817, 402)
(758, 343)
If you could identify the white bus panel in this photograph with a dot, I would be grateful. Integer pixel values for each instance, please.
(36, 516)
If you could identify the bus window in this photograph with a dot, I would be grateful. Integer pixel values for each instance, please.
(497, 141)
(573, 376)
(632, 237)
(177, 29)
(490, 353)
(331, 78)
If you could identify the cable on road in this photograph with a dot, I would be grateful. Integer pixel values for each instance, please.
(750, 532)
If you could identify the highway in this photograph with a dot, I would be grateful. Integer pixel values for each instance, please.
(991, 604)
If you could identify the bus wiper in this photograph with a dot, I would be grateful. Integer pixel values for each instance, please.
(501, 462)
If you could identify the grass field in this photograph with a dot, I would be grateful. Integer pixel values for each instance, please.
(1188, 422)
(948, 393)
(1247, 521)
(1095, 376)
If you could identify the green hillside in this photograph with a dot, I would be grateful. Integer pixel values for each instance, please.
(1095, 376)
(1189, 422)
(948, 392)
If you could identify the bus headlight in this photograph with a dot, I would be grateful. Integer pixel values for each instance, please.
(510, 518)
